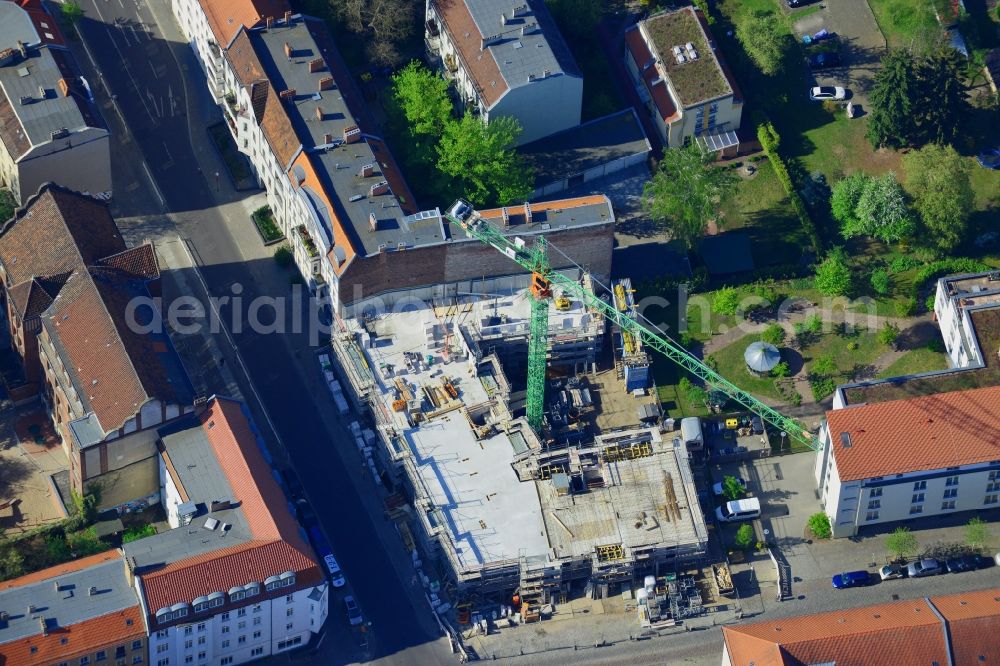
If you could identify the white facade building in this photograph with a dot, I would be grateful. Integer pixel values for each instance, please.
(507, 59)
(956, 302)
(906, 459)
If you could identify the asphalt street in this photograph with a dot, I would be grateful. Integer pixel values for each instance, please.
(163, 148)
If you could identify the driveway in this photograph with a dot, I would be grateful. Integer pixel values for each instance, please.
(862, 44)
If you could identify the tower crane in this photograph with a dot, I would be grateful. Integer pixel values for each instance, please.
(534, 258)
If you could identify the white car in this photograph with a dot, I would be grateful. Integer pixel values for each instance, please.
(823, 93)
(336, 575)
(353, 612)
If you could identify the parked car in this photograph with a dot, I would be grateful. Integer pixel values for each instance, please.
(292, 483)
(717, 488)
(758, 425)
(925, 567)
(824, 60)
(305, 514)
(996, 558)
(967, 563)
(336, 575)
(892, 571)
(353, 611)
(989, 158)
(851, 579)
(824, 93)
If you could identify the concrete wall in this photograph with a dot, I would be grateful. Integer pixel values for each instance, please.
(543, 107)
(82, 162)
(592, 173)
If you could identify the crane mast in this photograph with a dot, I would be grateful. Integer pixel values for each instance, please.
(534, 258)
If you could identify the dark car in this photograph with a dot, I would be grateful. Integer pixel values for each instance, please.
(758, 425)
(989, 158)
(824, 60)
(966, 563)
(305, 514)
(292, 483)
(851, 579)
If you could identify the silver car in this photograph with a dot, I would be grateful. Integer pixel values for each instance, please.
(925, 567)
(823, 93)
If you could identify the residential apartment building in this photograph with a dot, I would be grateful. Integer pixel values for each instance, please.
(958, 629)
(68, 279)
(959, 300)
(50, 128)
(507, 58)
(909, 458)
(339, 196)
(234, 580)
(81, 613)
(683, 80)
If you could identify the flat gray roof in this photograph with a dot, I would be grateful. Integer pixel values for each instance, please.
(319, 119)
(203, 479)
(65, 600)
(23, 78)
(585, 146)
(517, 55)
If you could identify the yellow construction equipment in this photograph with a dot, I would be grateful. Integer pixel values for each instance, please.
(562, 302)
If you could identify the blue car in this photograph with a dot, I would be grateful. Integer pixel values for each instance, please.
(989, 158)
(850, 579)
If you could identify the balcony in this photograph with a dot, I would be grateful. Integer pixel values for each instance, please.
(307, 242)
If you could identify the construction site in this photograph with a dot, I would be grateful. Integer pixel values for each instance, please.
(601, 495)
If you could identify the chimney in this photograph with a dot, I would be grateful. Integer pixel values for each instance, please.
(503, 18)
(269, 22)
(91, 591)
(352, 134)
(372, 221)
(527, 212)
(546, 73)
(31, 609)
(378, 188)
(520, 10)
(287, 95)
(64, 87)
(367, 171)
(22, 49)
(529, 29)
(319, 113)
(288, 50)
(288, 17)
(327, 139)
(44, 625)
(506, 217)
(316, 64)
(42, 92)
(219, 505)
(326, 83)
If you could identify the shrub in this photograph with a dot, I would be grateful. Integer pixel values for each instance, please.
(824, 366)
(774, 334)
(929, 302)
(725, 301)
(889, 334)
(819, 525)
(283, 255)
(936, 345)
(907, 307)
(694, 394)
(769, 141)
(903, 263)
(813, 323)
(686, 340)
(853, 345)
(136, 533)
(943, 267)
(833, 276)
(744, 536)
(880, 281)
(732, 489)
(781, 370)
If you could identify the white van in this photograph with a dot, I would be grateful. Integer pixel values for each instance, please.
(741, 509)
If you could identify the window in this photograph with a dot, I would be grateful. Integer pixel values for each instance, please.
(289, 626)
(162, 647)
(947, 505)
(874, 504)
(84, 660)
(163, 662)
(992, 486)
(916, 508)
(201, 640)
(101, 655)
(875, 492)
(201, 626)
(991, 499)
(256, 621)
(951, 481)
(917, 498)
(162, 633)
(201, 656)
(188, 645)
(120, 662)
(120, 651)
(257, 651)
(242, 612)
(225, 645)
(225, 616)
(289, 612)
(291, 642)
(225, 661)
(137, 659)
(241, 640)
(256, 609)
(256, 634)
(136, 645)
(188, 630)
(189, 659)
(994, 475)
(241, 625)
(950, 493)
(289, 598)
(920, 485)
(871, 515)
(225, 628)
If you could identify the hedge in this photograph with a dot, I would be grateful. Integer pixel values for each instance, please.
(769, 141)
(936, 269)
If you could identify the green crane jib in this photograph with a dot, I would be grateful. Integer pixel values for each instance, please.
(534, 258)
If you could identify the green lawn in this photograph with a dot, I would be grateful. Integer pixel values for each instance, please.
(732, 366)
(906, 22)
(916, 361)
(852, 363)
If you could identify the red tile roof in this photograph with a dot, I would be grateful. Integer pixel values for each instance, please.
(139, 261)
(645, 63)
(226, 17)
(277, 545)
(481, 64)
(30, 298)
(82, 638)
(903, 632)
(916, 434)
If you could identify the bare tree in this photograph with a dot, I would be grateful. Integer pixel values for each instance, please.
(386, 24)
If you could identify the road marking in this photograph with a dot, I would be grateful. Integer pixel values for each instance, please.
(155, 75)
(170, 158)
(156, 190)
(122, 58)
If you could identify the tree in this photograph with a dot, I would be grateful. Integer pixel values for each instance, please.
(744, 536)
(384, 25)
(977, 533)
(481, 161)
(900, 542)
(12, 564)
(889, 334)
(824, 366)
(774, 334)
(695, 394)
(764, 39)
(880, 281)
(579, 18)
(890, 121)
(845, 195)
(881, 211)
(726, 300)
(819, 525)
(938, 179)
(685, 191)
(732, 489)
(422, 96)
(781, 370)
(833, 276)
(943, 96)
(72, 12)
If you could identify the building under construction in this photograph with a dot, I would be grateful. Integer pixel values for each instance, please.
(597, 499)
